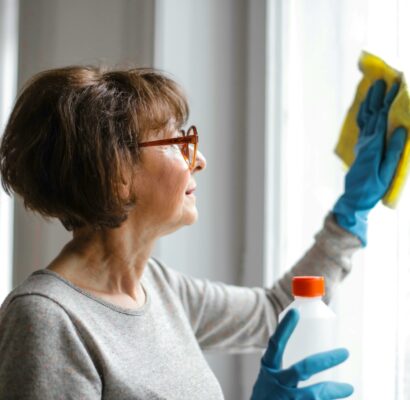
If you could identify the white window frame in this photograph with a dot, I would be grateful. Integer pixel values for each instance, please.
(8, 85)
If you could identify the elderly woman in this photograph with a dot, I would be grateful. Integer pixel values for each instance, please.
(104, 152)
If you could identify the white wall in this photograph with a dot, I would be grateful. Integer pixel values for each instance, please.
(204, 45)
(55, 33)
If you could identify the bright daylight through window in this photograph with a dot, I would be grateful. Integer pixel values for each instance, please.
(319, 61)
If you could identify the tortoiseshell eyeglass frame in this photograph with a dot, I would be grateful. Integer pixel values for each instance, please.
(186, 139)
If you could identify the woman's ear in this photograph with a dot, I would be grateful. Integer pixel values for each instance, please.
(124, 190)
(125, 185)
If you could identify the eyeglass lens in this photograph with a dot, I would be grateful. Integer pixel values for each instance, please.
(191, 147)
(188, 149)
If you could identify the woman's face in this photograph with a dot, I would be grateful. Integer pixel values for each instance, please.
(162, 180)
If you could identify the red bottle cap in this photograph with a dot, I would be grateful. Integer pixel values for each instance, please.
(308, 286)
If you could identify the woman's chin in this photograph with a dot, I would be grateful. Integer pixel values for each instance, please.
(188, 219)
(192, 217)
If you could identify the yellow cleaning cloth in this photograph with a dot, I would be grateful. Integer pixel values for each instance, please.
(375, 68)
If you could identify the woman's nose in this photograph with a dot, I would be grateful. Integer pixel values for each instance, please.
(200, 162)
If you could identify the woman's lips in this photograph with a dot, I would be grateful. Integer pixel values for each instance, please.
(190, 191)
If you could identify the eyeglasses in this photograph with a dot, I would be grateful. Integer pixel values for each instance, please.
(187, 143)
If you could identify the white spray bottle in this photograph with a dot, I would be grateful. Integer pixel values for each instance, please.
(316, 330)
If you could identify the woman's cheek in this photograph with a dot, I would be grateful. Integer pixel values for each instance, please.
(174, 154)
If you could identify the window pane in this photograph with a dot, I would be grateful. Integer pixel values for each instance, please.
(321, 47)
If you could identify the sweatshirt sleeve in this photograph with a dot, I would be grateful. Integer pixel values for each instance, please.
(235, 319)
(42, 355)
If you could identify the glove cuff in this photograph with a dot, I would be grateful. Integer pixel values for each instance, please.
(352, 220)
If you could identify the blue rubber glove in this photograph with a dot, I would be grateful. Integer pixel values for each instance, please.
(274, 383)
(372, 171)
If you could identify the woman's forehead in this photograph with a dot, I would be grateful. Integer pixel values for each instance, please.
(167, 131)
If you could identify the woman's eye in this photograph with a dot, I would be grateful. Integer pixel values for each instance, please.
(177, 146)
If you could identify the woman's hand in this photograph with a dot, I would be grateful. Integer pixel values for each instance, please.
(372, 171)
(274, 383)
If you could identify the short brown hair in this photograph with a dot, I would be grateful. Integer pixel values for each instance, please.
(72, 132)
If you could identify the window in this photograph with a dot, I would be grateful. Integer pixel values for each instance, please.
(321, 44)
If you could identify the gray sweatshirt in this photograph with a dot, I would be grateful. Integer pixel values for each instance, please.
(59, 342)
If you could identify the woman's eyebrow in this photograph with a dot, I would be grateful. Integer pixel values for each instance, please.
(174, 132)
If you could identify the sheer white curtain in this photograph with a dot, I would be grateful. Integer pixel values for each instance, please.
(321, 44)
(8, 82)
